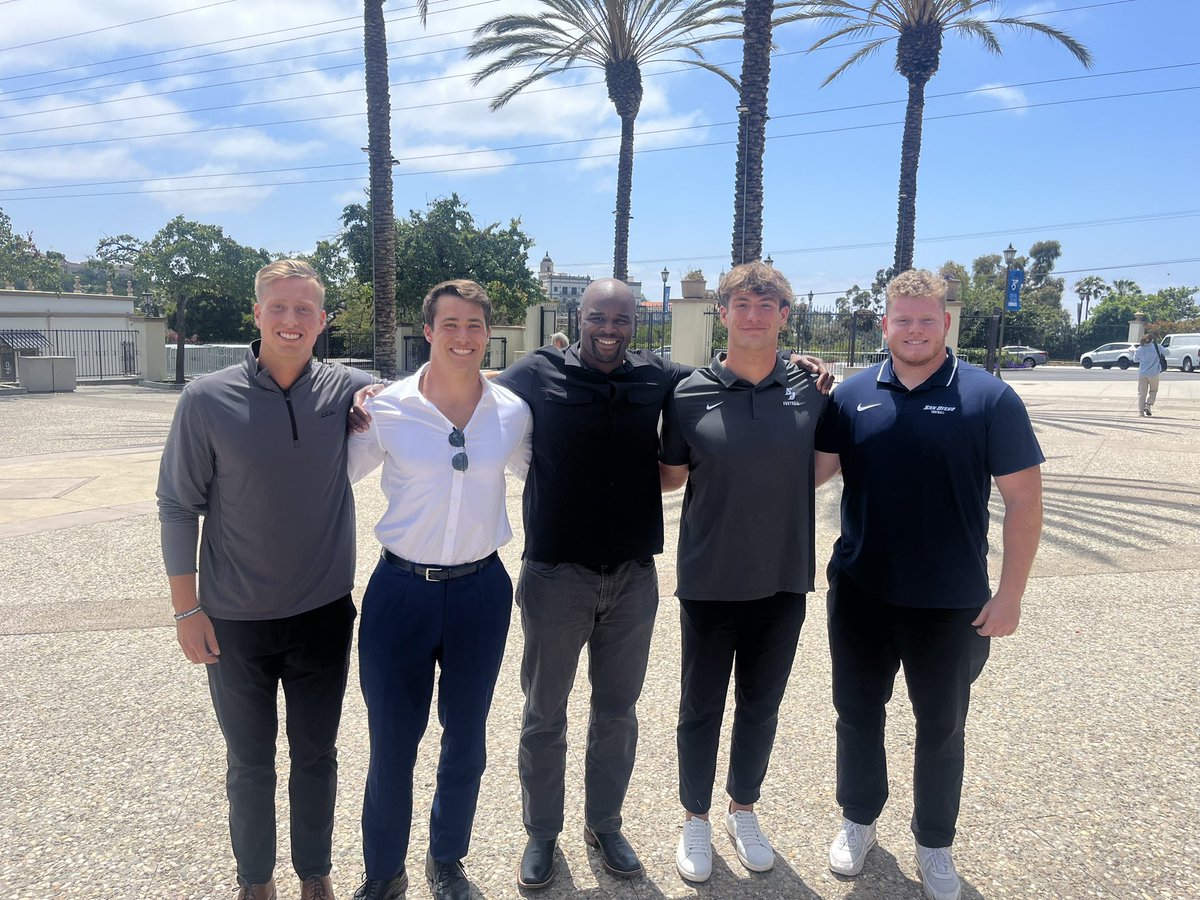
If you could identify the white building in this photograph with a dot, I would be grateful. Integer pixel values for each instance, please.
(565, 289)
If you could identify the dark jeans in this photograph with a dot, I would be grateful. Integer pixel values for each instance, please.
(411, 628)
(310, 655)
(565, 607)
(756, 641)
(942, 655)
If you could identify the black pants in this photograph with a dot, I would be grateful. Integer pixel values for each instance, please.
(756, 641)
(310, 655)
(942, 655)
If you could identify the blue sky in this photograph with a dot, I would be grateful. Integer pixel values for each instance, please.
(117, 116)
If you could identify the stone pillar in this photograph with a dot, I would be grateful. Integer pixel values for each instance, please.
(533, 325)
(691, 326)
(954, 306)
(1137, 328)
(152, 347)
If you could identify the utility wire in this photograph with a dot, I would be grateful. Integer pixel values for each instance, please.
(67, 37)
(308, 119)
(276, 31)
(564, 142)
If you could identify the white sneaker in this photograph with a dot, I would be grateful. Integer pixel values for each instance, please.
(937, 873)
(849, 849)
(753, 848)
(693, 858)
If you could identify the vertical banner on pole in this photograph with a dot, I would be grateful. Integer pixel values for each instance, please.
(1012, 295)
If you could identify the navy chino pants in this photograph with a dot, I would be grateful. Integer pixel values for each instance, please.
(411, 628)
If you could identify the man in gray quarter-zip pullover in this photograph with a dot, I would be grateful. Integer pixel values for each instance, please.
(259, 450)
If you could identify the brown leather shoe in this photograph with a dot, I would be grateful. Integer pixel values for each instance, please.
(257, 891)
(316, 887)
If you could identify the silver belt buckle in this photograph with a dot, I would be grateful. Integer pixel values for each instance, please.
(429, 571)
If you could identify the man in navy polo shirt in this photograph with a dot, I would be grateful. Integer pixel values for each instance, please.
(919, 439)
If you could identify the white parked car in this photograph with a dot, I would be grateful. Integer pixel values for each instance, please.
(1108, 355)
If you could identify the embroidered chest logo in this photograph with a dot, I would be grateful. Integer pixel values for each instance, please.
(789, 397)
(939, 410)
(328, 413)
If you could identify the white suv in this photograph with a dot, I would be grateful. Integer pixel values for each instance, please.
(1108, 355)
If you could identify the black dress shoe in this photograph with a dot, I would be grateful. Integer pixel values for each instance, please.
(447, 880)
(537, 864)
(618, 856)
(383, 889)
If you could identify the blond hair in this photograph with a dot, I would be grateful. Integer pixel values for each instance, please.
(917, 283)
(755, 278)
(286, 268)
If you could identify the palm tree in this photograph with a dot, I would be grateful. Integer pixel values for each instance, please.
(1093, 287)
(379, 153)
(752, 130)
(918, 27)
(618, 36)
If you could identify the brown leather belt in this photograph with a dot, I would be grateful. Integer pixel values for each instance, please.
(438, 573)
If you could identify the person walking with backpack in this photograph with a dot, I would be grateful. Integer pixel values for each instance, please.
(1151, 364)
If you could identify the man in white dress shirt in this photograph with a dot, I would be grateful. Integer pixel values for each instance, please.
(439, 597)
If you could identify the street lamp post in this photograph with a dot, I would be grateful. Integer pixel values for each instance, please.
(1009, 255)
(666, 307)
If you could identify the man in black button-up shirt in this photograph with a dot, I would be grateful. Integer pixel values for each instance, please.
(593, 523)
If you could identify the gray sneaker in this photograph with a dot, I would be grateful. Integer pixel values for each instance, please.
(849, 849)
(938, 875)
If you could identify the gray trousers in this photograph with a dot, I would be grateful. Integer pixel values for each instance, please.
(565, 607)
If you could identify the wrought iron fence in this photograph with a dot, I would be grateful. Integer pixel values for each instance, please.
(416, 353)
(98, 353)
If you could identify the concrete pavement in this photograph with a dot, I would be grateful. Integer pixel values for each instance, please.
(1081, 778)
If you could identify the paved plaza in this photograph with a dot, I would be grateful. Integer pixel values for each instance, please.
(1082, 744)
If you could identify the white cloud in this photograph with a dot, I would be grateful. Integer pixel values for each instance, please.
(1003, 96)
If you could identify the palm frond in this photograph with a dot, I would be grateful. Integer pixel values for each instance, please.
(1078, 50)
(981, 30)
(501, 99)
(858, 56)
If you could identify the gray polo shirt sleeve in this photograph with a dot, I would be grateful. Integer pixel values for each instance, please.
(183, 481)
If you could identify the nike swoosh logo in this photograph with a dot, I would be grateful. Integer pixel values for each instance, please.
(863, 406)
(714, 405)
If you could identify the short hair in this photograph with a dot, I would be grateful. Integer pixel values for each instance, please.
(756, 278)
(286, 268)
(917, 283)
(560, 340)
(462, 288)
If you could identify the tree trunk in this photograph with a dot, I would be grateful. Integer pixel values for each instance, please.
(624, 81)
(910, 158)
(180, 338)
(752, 131)
(379, 151)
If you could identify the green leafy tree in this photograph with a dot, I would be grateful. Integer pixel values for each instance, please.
(917, 27)
(444, 242)
(197, 265)
(616, 36)
(22, 264)
(1088, 289)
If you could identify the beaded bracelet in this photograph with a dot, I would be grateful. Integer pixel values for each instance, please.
(184, 615)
